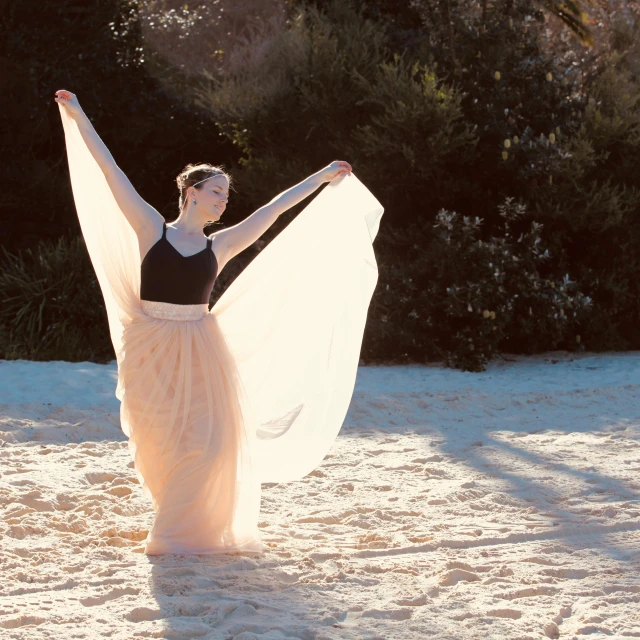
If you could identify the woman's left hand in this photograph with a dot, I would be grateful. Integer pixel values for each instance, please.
(335, 169)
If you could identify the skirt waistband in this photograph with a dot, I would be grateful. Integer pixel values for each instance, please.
(170, 311)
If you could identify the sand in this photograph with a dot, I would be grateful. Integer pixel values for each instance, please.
(504, 504)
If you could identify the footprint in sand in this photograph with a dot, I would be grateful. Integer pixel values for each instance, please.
(505, 613)
(74, 568)
(32, 500)
(455, 564)
(98, 477)
(144, 614)
(94, 454)
(111, 595)
(21, 532)
(119, 491)
(65, 502)
(389, 614)
(529, 592)
(135, 534)
(463, 616)
(593, 629)
(22, 621)
(543, 561)
(413, 602)
(373, 541)
(420, 539)
(191, 609)
(15, 512)
(407, 467)
(458, 575)
(567, 573)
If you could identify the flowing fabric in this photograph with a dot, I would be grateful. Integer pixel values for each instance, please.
(255, 390)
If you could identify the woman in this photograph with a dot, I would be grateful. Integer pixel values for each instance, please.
(214, 402)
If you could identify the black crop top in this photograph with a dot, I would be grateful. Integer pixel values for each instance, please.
(168, 276)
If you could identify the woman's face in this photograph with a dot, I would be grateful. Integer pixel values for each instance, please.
(212, 196)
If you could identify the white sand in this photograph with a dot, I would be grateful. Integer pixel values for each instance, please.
(504, 504)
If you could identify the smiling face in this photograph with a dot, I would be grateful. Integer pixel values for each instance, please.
(211, 197)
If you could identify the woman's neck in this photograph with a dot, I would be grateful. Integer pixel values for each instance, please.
(188, 224)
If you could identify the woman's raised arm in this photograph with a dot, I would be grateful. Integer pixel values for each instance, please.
(143, 218)
(231, 241)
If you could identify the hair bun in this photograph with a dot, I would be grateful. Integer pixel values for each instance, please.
(195, 173)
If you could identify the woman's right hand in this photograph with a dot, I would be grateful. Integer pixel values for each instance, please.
(70, 102)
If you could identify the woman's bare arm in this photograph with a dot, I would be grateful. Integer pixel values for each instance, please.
(143, 218)
(230, 242)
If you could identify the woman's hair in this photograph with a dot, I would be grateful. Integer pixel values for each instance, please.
(193, 173)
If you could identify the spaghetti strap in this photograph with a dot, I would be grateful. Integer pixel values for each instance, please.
(164, 228)
(209, 243)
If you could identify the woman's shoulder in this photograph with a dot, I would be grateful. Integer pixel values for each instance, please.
(216, 235)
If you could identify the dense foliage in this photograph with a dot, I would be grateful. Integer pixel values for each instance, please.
(487, 131)
(468, 298)
(50, 304)
(478, 106)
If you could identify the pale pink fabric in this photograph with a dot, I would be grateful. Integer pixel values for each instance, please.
(255, 390)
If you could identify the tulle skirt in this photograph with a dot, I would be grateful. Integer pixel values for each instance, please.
(181, 409)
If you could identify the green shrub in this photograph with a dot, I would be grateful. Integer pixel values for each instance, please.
(496, 295)
(467, 299)
(51, 307)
